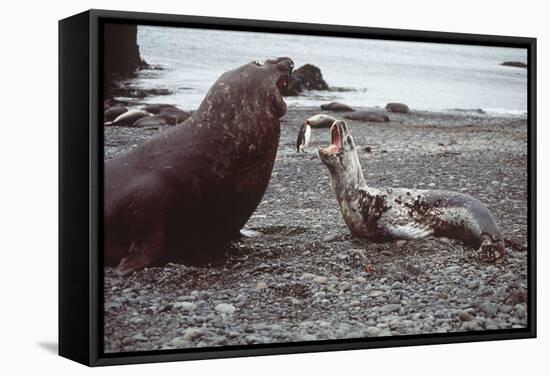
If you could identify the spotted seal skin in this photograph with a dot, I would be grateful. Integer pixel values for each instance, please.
(186, 192)
(388, 214)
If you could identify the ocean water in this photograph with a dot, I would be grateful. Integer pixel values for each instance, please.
(426, 76)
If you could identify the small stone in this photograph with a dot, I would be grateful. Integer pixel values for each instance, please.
(330, 237)
(465, 316)
(361, 280)
(185, 306)
(260, 286)
(308, 276)
(344, 286)
(400, 243)
(471, 325)
(474, 284)
(308, 337)
(355, 303)
(520, 309)
(489, 308)
(373, 331)
(453, 269)
(192, 333)
(225, 308)
(292, 300)
(325, 303)
(396, 285)
(388, 308)
(139, 337)
(319, 295)
(320, 280)
(386, 253)
(506, 308)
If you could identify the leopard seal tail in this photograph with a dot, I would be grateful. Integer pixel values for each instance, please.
(389, 214)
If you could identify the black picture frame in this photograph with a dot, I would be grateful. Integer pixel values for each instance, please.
(80, 182)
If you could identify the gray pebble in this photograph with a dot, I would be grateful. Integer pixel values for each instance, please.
(225, 308)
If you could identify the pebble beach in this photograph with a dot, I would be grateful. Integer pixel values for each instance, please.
(299, 276)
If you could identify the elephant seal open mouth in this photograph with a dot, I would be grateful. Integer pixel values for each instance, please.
(386, 214)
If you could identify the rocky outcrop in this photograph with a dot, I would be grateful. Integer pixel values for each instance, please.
(121, 57)
(307, 77)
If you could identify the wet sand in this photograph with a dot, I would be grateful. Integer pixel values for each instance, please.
(305, 278)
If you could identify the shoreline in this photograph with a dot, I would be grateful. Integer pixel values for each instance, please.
(305, 278)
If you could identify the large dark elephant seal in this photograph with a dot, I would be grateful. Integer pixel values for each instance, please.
(385, 214)
(189, 190)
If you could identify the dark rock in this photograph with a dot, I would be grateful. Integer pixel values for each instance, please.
(121, 57)
(307, 77)
(372, 116)
(336, 106)
(398, 108)
(112, 113)
(517, 64)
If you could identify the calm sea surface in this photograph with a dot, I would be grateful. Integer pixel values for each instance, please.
(425, 76)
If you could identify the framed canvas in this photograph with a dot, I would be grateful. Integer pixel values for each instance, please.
(235, 187)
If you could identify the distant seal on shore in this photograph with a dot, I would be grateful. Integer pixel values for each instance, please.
(112, 113)
(156, 108)
(398, 107)
(336, 106)
(320, 121)
(365, 115)
(187, 191)
(128, 118)
(386, 214)
(156, 120)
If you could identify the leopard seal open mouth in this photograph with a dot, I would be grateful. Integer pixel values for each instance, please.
(386, 214)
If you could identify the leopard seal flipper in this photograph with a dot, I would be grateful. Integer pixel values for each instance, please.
(386, 214)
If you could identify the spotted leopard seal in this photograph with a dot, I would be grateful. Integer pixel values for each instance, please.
(388, 214)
